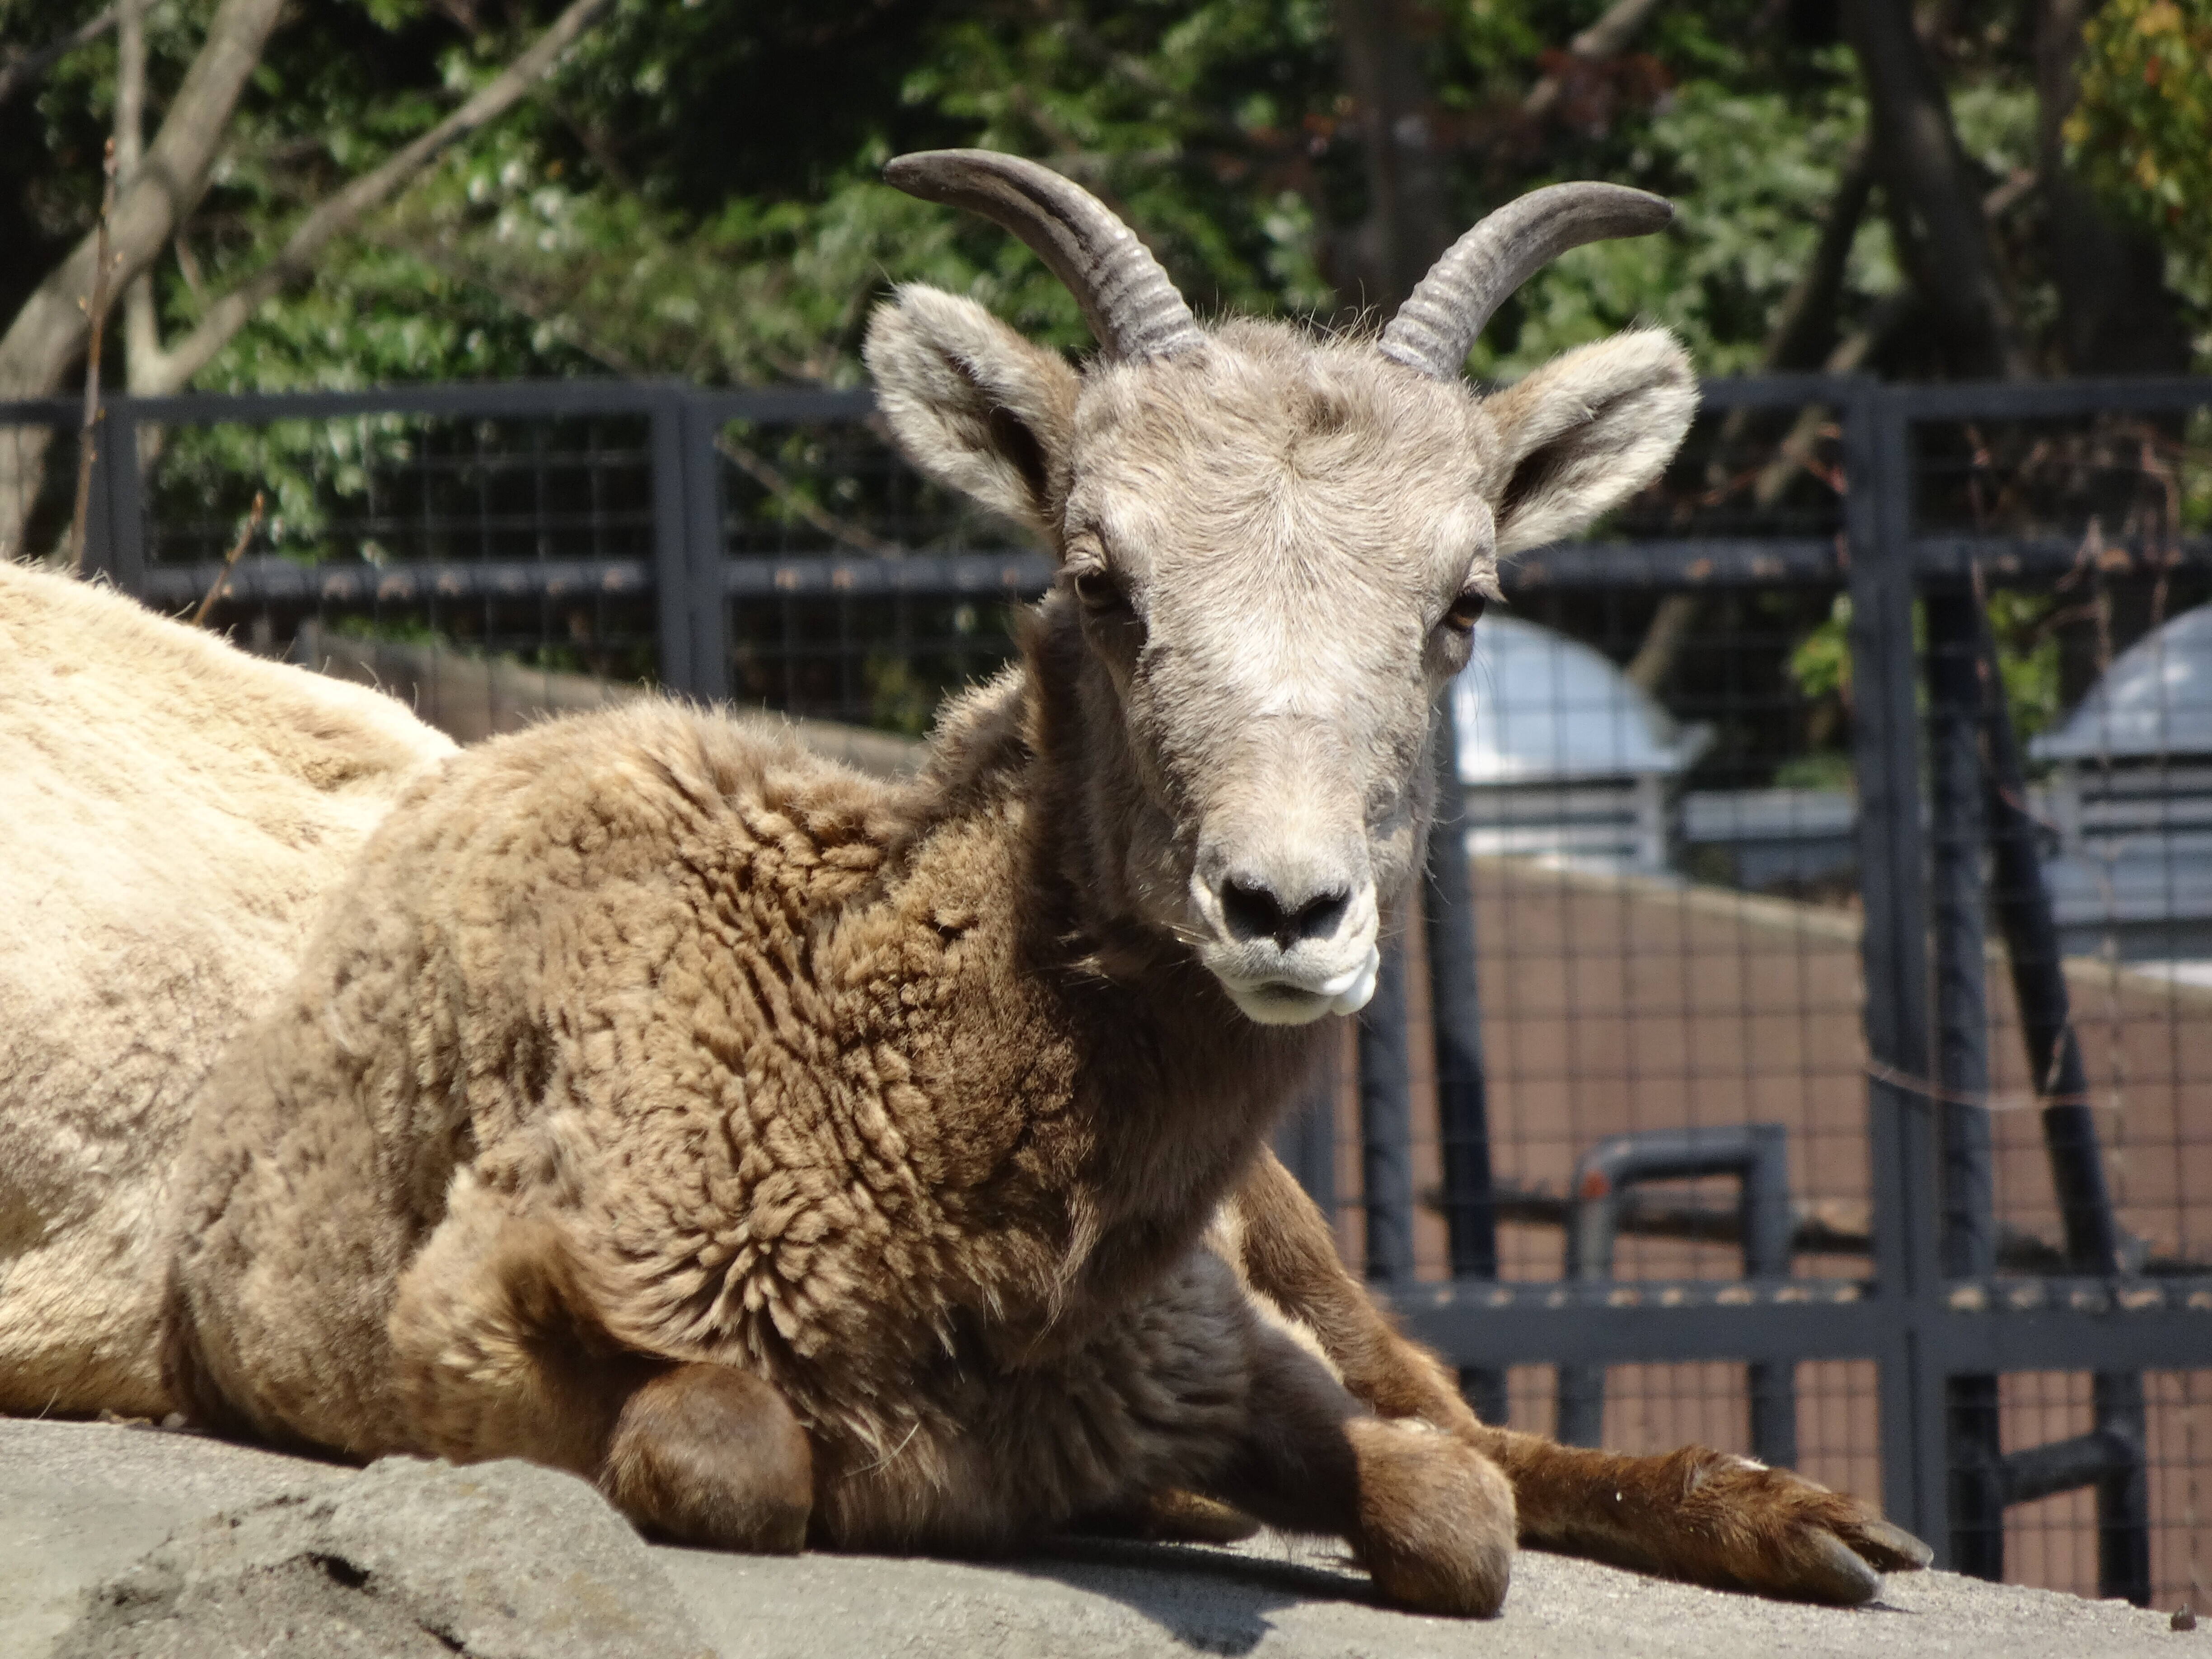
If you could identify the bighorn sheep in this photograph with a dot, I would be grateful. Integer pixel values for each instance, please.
(808, 1159)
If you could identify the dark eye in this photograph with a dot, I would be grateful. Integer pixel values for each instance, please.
(1100, 594)
(1466, 610)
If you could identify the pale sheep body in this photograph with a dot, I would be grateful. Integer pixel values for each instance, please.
(173, 812)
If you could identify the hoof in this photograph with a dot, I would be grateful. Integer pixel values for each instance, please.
(708, 1455)
(1435, 1527)
(1740, 1525)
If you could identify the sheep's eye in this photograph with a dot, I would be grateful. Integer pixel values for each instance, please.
(1100, 594)
(1466, 610)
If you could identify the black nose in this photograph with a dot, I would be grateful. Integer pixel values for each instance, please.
(1254, 911)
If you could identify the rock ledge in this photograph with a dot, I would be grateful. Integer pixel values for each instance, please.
(131, 1543)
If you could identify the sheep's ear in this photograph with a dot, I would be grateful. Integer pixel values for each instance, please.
(973, 403)
(1584, 432)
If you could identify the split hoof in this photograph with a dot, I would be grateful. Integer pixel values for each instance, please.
(1743, 1526)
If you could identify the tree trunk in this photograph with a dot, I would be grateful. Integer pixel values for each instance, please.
(337, 214)
(48, 334)
(1409, 219)
(1934, 200)
(2115, 315)
(159, 190)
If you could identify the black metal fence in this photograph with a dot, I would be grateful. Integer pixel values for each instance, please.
(1828, 1074)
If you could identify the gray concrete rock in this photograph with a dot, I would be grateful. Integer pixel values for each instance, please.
(496, 1561)
(80, 1502)
(307, 1559)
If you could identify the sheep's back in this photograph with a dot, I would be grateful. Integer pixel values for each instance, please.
(175, 810)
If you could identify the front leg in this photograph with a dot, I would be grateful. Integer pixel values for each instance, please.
(498, 1352)
(1430, 1517)
(1696, 1515)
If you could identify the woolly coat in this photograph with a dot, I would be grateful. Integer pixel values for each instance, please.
(792, 1071)
(172, 813)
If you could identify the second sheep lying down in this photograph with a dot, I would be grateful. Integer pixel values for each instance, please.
(813, 1160)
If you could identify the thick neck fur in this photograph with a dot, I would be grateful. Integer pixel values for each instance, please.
(1180, 1089)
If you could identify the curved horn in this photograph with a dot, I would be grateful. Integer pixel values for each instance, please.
(1435, 328)
(1133, 311)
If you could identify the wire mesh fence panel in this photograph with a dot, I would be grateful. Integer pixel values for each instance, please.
(1660, 828)
(2069, 872)
(485, 565)
(40, 463)
(883, 661)
(1838, 1439)
(2052, 1542)
(372, 513)
(882, 639)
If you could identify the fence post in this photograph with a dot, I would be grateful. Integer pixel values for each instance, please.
(115, 525)
(671, 569)
(702, 546)
(1386, 1146)
(1462, 1092)
(1462, 1085)
(1974, 1454)
(2095, 1241)
(1878, 529)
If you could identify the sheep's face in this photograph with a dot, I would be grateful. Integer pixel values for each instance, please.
(1274, 552)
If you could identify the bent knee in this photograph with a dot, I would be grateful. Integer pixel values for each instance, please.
(706, 1455)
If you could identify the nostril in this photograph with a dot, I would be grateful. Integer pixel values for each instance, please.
(1318, 917)
(1251, 911)
(1254, 912)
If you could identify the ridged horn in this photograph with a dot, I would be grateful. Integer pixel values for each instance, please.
(1132, 308)
(1435, 328)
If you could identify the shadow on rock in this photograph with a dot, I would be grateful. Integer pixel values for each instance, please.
(1211, 1601)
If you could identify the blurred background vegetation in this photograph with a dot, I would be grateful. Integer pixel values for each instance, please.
(1958, 188)
(693, 192)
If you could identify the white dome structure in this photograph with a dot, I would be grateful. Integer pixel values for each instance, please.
(1563, 756)
(2155, 700)
(1535, 707)
(2132, 798)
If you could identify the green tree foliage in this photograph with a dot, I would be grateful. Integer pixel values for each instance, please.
(2144, 129)
(695, 193)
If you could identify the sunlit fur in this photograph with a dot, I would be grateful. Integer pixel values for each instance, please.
(1289, 517)
(913, 1103)
(172, 811)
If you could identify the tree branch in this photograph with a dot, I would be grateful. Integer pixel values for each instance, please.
(141, 328)
(49, 331)
(1409, 220)
(770, 478)
(30, 68)
(222, 321)
(1803, 334)
(1800, 335)
(95, 307)
(1606, 38)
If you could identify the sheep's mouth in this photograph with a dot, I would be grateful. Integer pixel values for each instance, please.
(1277, 1004)
(1277, 1001)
